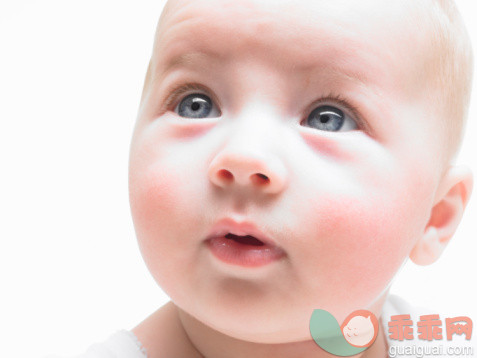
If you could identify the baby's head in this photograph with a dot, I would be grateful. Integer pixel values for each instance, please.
(324, 129)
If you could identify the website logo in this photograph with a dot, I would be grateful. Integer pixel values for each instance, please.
(356, 334)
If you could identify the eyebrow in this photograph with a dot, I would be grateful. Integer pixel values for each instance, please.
(353, 75)
(190, 58)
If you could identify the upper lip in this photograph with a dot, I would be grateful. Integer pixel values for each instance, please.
(239, 228)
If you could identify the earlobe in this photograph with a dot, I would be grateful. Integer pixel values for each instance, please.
(452, 197)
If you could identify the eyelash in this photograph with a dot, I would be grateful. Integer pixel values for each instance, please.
(182, 89)
(336, 100)
(331, 98)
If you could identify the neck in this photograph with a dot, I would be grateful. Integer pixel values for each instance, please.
(209, 343)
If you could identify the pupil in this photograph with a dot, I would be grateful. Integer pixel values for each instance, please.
(195, 106)
(324, 118)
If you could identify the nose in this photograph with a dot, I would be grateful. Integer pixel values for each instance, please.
(248, 168)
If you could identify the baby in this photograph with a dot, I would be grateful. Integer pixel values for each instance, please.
(290, 156)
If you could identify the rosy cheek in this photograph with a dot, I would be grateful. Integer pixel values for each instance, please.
(166, 197)
(151, 196)
(368, 220)
(377, 244)
(153, 182)
(360, 238)
(161, 223)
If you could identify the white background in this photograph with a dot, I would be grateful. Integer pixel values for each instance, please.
(71, 74)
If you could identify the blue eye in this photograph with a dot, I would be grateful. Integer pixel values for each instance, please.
(329, 118)
(197, 105)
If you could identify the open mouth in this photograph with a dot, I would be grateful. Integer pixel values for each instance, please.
(245, 240)
(242, 244)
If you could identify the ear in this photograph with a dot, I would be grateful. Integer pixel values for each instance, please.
(452, 196)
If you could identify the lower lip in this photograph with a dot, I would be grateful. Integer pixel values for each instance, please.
(232, 252)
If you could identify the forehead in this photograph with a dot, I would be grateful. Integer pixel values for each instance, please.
(292, 35)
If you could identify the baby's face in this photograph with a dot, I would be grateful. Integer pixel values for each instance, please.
(303, 123)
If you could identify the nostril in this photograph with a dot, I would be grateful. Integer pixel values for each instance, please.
(259, 179)
(225, 175)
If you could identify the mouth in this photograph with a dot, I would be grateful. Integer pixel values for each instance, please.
(245, 240)
(242, 244)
